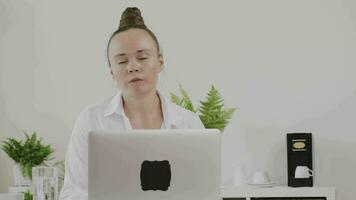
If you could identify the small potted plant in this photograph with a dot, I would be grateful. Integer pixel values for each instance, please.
(211, 111)
(26, 154)
(28, 195)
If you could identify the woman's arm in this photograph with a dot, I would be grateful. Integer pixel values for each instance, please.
(76, 163)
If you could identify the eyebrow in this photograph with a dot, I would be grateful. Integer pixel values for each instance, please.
(138, 51)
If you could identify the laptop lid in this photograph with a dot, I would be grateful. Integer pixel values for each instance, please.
(155, 165)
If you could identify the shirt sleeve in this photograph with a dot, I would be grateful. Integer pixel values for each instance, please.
(75, 185)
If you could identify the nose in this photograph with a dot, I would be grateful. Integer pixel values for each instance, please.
(133, 66)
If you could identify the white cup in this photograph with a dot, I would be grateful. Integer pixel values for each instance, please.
(303, 172)
(261, 177)
(239, 176)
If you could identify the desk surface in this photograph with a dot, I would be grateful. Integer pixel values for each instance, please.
(230, 191)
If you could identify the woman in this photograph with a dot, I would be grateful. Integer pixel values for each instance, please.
(135, 62)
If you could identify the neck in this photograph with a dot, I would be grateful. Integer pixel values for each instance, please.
(142, 106)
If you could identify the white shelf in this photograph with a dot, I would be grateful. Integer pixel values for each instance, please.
(11, 196)
(278, 191)
(19, 189)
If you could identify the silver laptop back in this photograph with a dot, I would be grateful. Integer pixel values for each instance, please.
(155, 165)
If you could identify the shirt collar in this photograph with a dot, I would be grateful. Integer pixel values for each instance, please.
(170, 120)
(115, 106)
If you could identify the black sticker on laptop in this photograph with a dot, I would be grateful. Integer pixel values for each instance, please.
(155, 175)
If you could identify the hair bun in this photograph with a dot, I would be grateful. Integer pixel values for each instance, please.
(131, 17)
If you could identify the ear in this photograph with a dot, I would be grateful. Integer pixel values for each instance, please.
(112, 74)
(160, 62)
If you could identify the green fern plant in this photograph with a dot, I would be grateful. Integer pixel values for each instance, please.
(213, 114)
(183, 101)
(28, 195)
(212, 111)
(29, 153)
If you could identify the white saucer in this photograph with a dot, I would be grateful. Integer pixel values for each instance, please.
(264, 185)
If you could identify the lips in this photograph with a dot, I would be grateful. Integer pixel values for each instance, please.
(135, 80)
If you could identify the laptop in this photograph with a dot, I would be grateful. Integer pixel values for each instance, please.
(168, 164)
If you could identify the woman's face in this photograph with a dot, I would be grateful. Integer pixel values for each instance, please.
(135, 63)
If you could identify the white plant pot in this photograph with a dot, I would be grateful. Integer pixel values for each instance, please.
(19, 179)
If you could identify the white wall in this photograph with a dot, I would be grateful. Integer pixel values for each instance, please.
(287, 66)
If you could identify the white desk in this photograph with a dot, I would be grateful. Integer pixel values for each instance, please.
(248, 193)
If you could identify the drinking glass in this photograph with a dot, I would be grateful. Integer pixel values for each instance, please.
(45, 183)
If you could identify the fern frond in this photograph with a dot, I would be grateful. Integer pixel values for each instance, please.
(213, 114)
(175, 99)
(212, 111)
(183, 101)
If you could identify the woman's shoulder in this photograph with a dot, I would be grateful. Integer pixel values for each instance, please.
(184, 118)
(180, 110)
(97, 109)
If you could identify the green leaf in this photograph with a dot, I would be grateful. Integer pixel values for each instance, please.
(183, 101)
(213, 114)
(28, 195)
(212, 111)
(28, 153)
(175, 99)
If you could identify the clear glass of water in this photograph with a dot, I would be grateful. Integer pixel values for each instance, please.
(45, 183)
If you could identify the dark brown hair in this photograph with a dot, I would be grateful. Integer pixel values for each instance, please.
(131, 18)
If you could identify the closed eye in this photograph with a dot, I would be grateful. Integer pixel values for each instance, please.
(122, 62)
